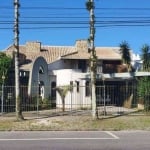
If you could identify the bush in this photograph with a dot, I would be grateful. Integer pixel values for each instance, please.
(143, 91)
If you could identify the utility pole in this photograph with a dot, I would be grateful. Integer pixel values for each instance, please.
(93, 58)
(16, 51)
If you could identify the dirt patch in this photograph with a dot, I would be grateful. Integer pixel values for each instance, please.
(77, 123)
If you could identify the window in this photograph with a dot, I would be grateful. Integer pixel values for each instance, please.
(78, 84)
(53, 90)
(87, 88)
(41, 89)
(41, 70)
(71, 85)
(82, 65)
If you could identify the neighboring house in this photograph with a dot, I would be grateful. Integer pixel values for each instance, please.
(136, 62)
(43, 68)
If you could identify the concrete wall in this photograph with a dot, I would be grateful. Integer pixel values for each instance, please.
(74, 98)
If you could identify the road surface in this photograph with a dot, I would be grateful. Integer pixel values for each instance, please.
(75, 140)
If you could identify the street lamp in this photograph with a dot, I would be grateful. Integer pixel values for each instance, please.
(2, 96)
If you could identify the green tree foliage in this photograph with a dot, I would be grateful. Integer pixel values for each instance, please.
(146, 57)
(125, 51)
(63, 90)
(144, 92)
(89, 5)
(5, 64)
(143, 87)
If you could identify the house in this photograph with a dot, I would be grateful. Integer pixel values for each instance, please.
(43, 68)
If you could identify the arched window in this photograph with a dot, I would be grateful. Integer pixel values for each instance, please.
(41, 70)
(40, 83)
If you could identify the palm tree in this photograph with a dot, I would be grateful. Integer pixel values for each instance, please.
(19, 115)
(93, 58)
(146, 57)
(63, 90)
(125, 51)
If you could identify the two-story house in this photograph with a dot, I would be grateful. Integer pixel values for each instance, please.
(43, 68)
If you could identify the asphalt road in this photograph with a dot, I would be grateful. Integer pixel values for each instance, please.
(76, 140)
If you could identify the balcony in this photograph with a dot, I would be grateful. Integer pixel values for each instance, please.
(113, 68)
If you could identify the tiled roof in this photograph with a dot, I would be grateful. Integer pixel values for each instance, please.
(53, 53)
(108, 53)
(32, 50)
(50, 53)
(104, 53)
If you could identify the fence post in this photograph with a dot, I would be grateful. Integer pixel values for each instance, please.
(37, 106)
(104, 99)
(2, 99)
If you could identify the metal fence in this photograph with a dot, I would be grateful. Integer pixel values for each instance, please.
(110, 100)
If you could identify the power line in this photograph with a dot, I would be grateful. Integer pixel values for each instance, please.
(72, 8)
(75, 19)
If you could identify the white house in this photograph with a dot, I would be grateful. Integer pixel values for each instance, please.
(136, 61)
(48, 67)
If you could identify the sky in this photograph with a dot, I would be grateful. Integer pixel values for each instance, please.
(62, 22)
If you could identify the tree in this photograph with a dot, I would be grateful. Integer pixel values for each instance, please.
(143, 88)
(146, 57)
(5, 64)
(144, 92)
(125, 51)
(19, 115)
(63, 90)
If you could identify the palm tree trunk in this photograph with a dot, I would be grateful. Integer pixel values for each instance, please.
(19, 115)
(63, 104)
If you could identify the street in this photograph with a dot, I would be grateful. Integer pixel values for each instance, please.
(75, 140)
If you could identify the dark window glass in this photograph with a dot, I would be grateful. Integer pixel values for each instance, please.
(87, 88)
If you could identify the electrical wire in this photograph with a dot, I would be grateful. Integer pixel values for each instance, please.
(51, 17)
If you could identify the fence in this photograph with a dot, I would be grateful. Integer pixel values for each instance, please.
(110, 100)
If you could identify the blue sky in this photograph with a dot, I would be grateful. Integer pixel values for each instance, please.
(62, 22)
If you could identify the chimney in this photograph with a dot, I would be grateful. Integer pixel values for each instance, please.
(33, 47)
(82, 46)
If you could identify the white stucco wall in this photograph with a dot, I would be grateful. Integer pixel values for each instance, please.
(136, 61)
(73, 99)
(63, 75)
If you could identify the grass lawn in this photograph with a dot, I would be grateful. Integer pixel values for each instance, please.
(129, 122)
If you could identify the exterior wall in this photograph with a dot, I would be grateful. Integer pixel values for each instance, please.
(64, 76)
(73, 98)
(59, 64)
(136, 61)
(63, 64)
(36, 77)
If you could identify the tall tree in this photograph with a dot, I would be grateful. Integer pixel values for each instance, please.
(125, 51)
(19, 115)
(93, 58)
(146, 57)
(5, 64)
(143, 88)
